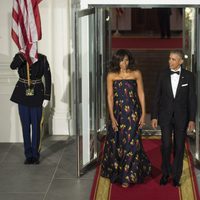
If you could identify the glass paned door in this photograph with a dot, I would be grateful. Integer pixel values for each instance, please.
(92, 51)
(191, 47)
(85, 88)
(197, 73)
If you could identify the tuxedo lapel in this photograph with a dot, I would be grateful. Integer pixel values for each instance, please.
(182, 78)
(169, 84)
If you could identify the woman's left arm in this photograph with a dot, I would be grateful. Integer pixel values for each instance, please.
(140, 91)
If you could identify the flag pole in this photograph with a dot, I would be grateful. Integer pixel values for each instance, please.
(117, 25)
(28, 74)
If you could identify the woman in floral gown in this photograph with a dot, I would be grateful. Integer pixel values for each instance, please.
(124, 160)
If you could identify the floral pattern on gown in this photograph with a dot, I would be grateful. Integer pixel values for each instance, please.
(124, 159)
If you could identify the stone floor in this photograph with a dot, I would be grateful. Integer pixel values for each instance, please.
(55, 177)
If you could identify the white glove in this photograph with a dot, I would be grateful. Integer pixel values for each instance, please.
(45, 103)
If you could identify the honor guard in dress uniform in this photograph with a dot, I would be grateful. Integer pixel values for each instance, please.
(31, 95)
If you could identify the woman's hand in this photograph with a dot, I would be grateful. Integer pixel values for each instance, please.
(114, 124)
(142, 121)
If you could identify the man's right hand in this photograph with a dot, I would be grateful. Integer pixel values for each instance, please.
(18, 61)
(154, 123)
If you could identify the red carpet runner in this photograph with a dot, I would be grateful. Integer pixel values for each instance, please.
(102, 189)
(146, 43)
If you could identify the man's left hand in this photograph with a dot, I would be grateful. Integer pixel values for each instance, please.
(191, 126)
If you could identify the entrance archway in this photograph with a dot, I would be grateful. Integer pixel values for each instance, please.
(101, 43)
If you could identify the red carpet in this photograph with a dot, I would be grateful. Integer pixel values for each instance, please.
(102, 189)
(146, 43)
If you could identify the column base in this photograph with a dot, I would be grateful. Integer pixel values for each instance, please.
(59, 123)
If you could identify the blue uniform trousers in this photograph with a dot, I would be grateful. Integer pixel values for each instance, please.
(31, 117)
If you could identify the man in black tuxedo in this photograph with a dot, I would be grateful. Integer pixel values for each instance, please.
(174, 109)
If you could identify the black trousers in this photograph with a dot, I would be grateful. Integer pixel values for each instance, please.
(173, 164)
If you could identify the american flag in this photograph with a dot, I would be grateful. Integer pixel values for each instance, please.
(26, 27)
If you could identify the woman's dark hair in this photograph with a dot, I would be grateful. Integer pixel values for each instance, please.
(118, 57)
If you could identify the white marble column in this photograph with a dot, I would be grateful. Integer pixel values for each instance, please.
(60, 116)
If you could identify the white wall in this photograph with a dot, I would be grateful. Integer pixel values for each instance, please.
(9, 121)
(55, 20)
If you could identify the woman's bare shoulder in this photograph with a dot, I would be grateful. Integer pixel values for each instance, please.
(137, 73)
(111, 75)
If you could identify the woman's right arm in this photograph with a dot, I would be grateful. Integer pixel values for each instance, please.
(110, 100)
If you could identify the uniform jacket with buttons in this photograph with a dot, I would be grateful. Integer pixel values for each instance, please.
(38, 70)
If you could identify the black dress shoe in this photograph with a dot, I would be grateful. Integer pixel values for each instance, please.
(176, 183)
(28, 161)
(36, 161)
(164, 180)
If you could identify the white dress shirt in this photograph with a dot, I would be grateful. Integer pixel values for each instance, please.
(174, 81)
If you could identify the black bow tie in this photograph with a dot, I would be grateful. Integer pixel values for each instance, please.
(172, 72)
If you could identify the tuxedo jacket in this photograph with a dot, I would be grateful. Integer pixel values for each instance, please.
(182, 107)
(38, 71)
